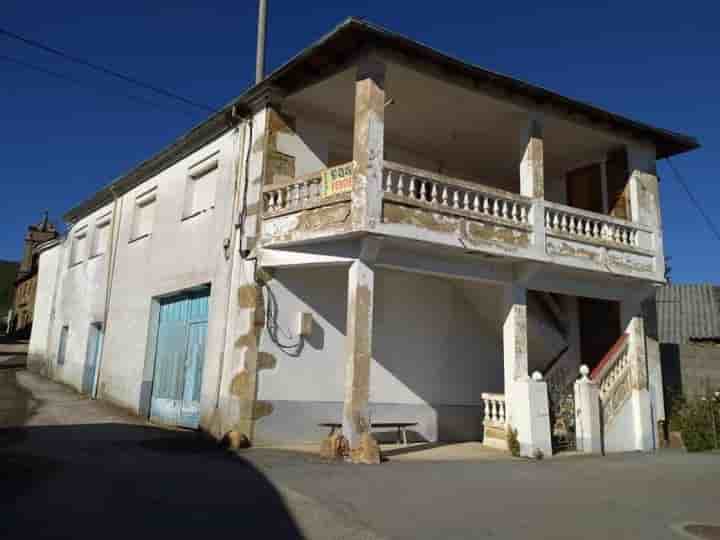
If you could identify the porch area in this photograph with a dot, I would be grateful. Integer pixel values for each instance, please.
(465, 348)
(385, 148)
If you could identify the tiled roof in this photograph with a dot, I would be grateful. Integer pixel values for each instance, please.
(686, 312)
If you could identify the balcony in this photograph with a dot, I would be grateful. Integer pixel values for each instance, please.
(428, 207)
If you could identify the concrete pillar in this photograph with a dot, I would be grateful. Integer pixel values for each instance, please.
(368, 143)
(644, 195)
(527, 407)
(515, 344)
(588, 434)
(355, 419)
(644, 424)
(532, 175)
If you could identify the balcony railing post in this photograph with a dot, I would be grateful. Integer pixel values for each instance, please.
(532, 175)
(368, 143)
(538, 220)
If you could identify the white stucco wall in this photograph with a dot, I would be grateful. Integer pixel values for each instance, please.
(427, 344)
(179, 254)
(39, 353)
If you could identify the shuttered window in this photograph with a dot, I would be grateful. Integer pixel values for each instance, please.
(201, 186)
(101, 237)
(78, 252)
(144, 215)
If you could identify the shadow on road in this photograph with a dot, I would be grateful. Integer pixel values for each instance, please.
(131, 482)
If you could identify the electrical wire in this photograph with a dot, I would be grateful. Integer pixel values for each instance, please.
(78, 82)
(694, 200)
(105, 70)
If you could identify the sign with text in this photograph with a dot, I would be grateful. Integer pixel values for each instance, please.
(337, 180)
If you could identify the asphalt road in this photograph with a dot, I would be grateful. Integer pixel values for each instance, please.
(74, 468)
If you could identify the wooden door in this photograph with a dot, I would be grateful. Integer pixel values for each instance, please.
(179, 359)
(584, 188)
(616, 172)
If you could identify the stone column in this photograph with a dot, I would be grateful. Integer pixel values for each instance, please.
(526, 398)
(356, 421)
(237, 404)
(368, 135)
(532, 169)
(588, 433)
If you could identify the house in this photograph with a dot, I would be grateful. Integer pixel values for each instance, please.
(375, 232)
(687, 322)
(25, 286)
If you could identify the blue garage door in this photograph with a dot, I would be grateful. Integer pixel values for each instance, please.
(179, 358)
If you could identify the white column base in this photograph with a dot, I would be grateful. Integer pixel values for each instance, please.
(643, 420)
(588, 434)
(531, 416)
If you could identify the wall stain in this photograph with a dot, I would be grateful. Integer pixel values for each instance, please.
(398, 214)
(565, 249)
(261, 409)
(266, 361)
(506, 237)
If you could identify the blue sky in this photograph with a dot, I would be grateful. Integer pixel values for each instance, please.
(653, 61)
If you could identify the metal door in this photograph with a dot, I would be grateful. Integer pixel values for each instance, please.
(179, 359)
(92, 354)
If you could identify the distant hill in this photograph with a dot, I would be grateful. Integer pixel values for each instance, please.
(8, 272)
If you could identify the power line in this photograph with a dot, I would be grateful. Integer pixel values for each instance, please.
(67, 78)
(693, 199)
(107, 71)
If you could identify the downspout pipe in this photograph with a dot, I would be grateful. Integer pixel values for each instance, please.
(109, 276)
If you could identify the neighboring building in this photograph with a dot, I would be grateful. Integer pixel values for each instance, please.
(376, 231)
(8, 273)
(25, 285)
(688, 330)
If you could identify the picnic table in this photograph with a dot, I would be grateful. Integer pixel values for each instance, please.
(400, 426)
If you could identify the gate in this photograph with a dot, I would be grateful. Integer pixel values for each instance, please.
(561, 398)
(179, 359)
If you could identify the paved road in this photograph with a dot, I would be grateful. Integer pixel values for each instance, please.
(13, 353)
(75, 468)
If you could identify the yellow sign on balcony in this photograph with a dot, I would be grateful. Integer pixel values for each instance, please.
(337, 180)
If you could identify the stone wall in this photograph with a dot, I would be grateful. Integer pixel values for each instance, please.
(690, 369)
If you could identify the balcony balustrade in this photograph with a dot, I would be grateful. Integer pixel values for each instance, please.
(433, 208)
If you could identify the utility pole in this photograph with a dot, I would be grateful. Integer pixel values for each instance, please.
(262, 26)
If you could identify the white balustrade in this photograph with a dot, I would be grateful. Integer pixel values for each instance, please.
(590, 227)
(449, 195)
(292, 196)
(613, 368)
(494, 409)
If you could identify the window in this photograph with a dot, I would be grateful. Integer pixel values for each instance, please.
(63, 345)
(78, 251)
(200, 189)
(101, 237)
(144, 215)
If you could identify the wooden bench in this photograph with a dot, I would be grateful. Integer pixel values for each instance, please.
(400, 426)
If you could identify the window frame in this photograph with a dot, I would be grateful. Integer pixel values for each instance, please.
(76, 257)
(198, 171)
(103, 222)
(145, 199)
